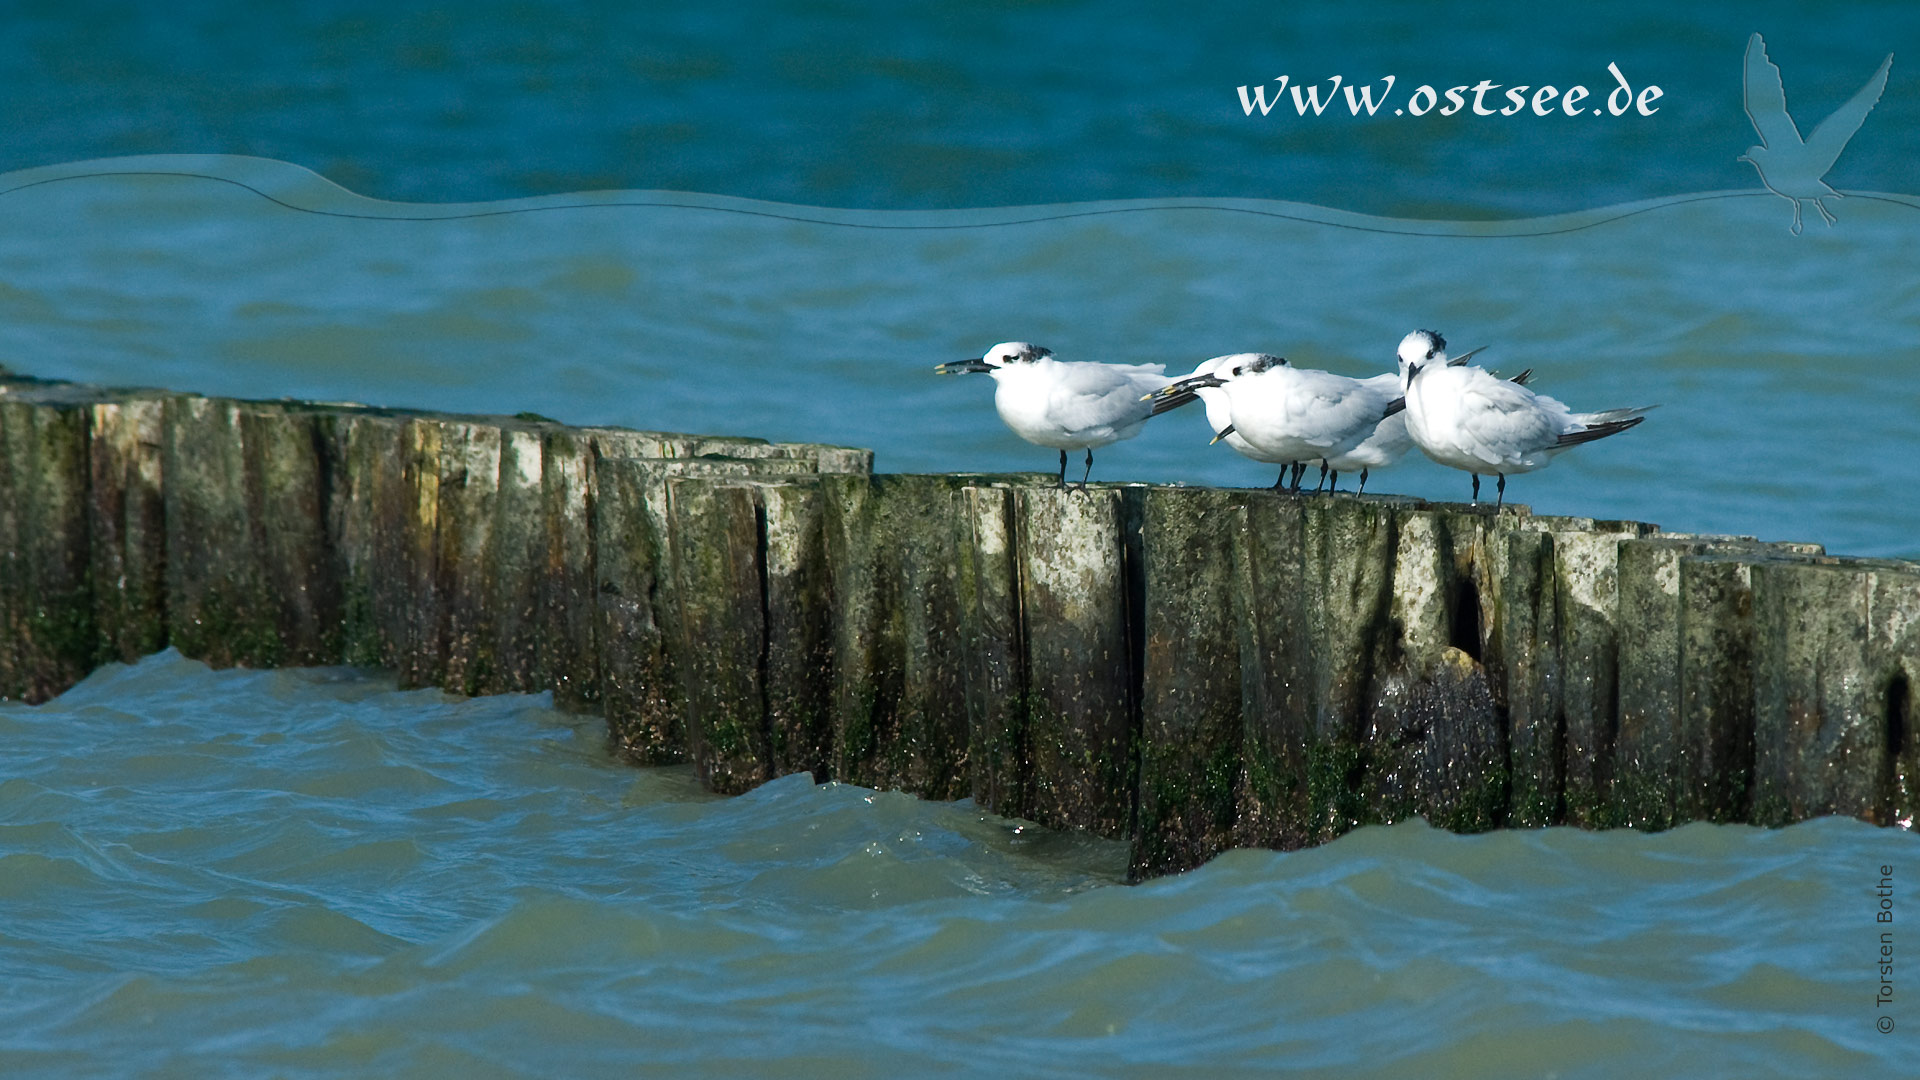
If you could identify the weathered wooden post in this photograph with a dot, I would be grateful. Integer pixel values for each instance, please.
(1192, 730)
(1654, 747)
(46, 594)
(1193, 667)
(568, 613)
(1080, 696)
(1347, 576)
(640, 692)
(467, 492)
(127, 520)
(717, 578)
(1279, 737)
(1435, 744)
(798, 603)
(637, 634)
(895, 545)
(1833, 658)
(251, 573)
(372, 506)
(994, 636)
(1527, 629)
(1587, 579)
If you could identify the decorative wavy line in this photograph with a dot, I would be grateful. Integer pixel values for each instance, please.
(1435, 229)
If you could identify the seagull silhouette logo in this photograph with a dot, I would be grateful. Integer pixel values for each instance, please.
(1792, 167)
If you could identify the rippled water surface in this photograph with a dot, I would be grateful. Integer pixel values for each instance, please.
(310, 873)
(1783, 365)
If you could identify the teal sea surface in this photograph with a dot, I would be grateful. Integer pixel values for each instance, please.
(310, 873)
(774, 219)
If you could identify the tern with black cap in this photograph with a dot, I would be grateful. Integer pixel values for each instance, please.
(1066, 405)
(1470, 419)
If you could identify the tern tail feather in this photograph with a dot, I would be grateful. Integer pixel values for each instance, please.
(1171, 402)
(1600, 429)
(1612, 416)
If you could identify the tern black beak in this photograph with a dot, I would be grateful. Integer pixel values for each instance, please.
(1186, 386)
(975, 366)
(1224, 432)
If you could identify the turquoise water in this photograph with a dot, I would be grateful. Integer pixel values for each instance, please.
(310, 873)
(773, 219)
(947, 103)
(1782, 363)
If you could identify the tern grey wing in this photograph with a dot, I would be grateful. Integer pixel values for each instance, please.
(1101, 379)
(1333, 410)
(1833, 133)
(1766, 99)
(1093, 395)
(1506, 422)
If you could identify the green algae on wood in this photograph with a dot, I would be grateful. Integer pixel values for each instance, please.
(46, 587)
(1654, 772)
(1200, 668)
(1587, 579)
(468, 495)
(127, 520)
(900, 677)
(1435, 744)
(797, 603)
(1274, 805)
(1526, 627)
(251, 578)
(717, 575)
(1833, 644)
(1074, 604)
(994, 636)
(1191, 700)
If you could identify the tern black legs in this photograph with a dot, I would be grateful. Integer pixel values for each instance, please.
(1502, 500)
(1297, 470)
(1083, 478)
(1363, 481)
(1476, 481)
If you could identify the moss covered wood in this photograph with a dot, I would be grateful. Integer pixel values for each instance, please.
(1195, 668)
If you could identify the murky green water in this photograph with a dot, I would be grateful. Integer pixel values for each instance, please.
(309, 873)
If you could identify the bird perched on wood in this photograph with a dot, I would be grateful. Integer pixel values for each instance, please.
(1076, 405)
(1213, 397)
(1284, 414)
(1468, 418)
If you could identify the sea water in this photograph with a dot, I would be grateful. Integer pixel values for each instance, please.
(312, 873)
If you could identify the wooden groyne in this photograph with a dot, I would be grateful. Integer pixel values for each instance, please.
(1194, 668)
